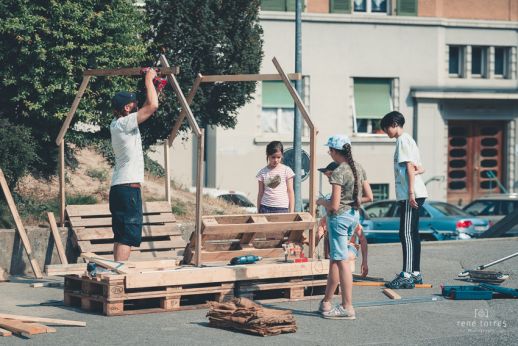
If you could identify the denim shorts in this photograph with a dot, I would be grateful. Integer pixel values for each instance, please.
(338, 227)
(126, 210)
(264, 209)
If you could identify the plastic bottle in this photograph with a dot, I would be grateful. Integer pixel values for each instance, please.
(249, 259)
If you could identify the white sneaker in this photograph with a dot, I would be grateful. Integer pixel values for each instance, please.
(321, 308)
(339, 313)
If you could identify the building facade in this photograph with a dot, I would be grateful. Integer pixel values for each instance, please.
(450, 66)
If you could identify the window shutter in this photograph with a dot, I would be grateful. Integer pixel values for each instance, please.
(340, 6)
(273, 5)
(407, 7)
(276, 95)
(291, 5)
(372, 97)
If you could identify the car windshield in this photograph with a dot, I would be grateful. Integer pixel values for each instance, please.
(238, 200)
(448, 209)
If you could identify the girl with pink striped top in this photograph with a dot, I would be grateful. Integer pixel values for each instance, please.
(275, 183)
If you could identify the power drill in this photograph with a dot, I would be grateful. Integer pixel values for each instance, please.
(249, 259)
(158, 82)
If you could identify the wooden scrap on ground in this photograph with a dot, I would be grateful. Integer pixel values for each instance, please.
(19, 226)
(391, 294)
(20, 327)
(46, 284)
(50, 321)
(381, 284)
(5, 332)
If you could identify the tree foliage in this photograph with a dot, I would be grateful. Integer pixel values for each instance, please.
(208, 37)
(45, 45)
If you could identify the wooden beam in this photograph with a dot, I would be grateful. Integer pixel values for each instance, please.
(5, 332)
(186, 276)
(391, 294)
(181, 117)
(70, 115)
(167, 169)
(129, 71)
(19, 226)
(50, 321)
(199, 190)
(57, 239)
(248, 77)
(118, 267)
(62, 195)
(20, 327)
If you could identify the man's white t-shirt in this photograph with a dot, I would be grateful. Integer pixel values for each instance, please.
(407, 151)
(127, 148)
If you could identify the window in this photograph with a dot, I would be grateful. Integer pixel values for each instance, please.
(380, 209)
(372, 100)
(278, 107)
(502, 62)
(380, 191)
(370, 6)
(456, 61)
(479, 62)
(279, 5)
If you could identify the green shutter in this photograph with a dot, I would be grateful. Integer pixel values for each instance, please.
(291, 5)
(273, 5)
(372, 97)
(340, 6)
(406, 8)
(276, 95)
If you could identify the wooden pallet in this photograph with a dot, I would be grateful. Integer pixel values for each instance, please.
(111, 298)
(92, 233)
(227, 236)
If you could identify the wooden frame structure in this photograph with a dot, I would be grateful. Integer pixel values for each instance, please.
(186, 112)
(87, 75)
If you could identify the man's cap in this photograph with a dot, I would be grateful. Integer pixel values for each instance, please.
(329, 168)
(338, 142)
(122, 98)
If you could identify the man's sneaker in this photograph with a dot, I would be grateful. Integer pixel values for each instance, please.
(339, 313)
(401, 282)
(321, 307)
(418, 279)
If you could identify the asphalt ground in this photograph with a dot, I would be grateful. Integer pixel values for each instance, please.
(441, 322)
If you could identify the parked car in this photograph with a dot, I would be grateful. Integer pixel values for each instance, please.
(437, 221)
(235, 197)
(494, 208)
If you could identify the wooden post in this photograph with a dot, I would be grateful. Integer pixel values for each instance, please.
(19, 226)
(183, 112)
(62, 198)
(167, 172)
(129, 71)
(57, 239)
(199, 190)
(312, 155)
(70, 115)
(248, 77)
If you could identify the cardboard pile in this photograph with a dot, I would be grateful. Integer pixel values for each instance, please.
(244, 315)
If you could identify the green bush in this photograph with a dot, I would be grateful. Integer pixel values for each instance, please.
(17, 151)
(99, 174)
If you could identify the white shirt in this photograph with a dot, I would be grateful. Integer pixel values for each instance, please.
(275, 185)
(127, 148)
(407, 151)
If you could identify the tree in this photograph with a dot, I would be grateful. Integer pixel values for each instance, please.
(208, 37)
(45, 45)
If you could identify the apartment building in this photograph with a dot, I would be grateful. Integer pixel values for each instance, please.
(450, 66)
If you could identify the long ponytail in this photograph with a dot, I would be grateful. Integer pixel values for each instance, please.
(349, 158)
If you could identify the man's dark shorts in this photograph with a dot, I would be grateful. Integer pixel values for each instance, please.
(126, 210)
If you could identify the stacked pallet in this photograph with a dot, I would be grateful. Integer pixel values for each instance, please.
(29, 325)
(244, 315)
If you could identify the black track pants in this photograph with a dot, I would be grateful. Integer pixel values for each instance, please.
(409, 235)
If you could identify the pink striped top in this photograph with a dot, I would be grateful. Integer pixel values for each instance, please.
(275, 185)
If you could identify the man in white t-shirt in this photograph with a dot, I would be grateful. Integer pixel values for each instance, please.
(410, 194)
(128, 172)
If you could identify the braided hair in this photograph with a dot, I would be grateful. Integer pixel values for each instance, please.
(347, 154)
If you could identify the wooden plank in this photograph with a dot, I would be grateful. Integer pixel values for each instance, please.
(118, 267)
(167, 169)
(391, 294)
(57, 238)
(199, 207)
(21, 327)
(5, 332)
(248, 77)
(227, 255)
(104, 209)
(107, 221)
(186, 276)
(263, 228)
(129, 71)
(19, 226)
(50, 321)
(87, 246)
(147, 231)
(80, 268)
(62, 196)
(181, 117)
(72, 111)
(47, 329)
(381, 284)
